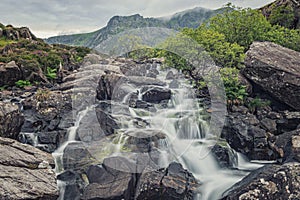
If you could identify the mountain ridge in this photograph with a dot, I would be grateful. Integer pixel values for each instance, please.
(190, 18)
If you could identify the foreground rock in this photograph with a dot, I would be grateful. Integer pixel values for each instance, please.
(172, 183)
(11, 120)
(269, 182)
(276, 70)
(25, 172)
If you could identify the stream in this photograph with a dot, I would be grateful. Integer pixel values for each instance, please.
(180, 128)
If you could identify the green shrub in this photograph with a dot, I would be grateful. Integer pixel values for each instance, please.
(51, 73)
(257, 103)
(235, 90)
(23, 83)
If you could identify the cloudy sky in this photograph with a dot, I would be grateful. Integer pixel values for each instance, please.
(55, 17)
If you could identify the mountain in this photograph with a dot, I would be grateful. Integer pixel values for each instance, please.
(283, 12)
(190, 18)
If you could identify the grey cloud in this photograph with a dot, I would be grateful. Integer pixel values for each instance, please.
(50, 17)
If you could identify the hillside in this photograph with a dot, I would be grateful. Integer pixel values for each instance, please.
(190, 18)
(284, 13)
(26, 60)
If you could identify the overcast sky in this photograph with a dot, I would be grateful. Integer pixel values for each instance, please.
(54, 17)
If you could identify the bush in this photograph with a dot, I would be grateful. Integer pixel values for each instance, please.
(257, 103)
(235, 90)
(22, 83)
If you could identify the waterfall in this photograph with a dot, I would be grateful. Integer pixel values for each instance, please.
(185, 136)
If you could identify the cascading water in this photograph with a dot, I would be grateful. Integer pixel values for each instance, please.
(186, 136)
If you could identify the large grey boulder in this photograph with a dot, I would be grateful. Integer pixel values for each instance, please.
(269, 182)
(276, 70)
(26, 172)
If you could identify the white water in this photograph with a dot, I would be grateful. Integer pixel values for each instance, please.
(187, 140)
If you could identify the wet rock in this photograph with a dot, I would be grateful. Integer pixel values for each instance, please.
(225, 156)
(245, 136)
(11, 120)
(269, 182)
(174, 84)
(170, 75)
(108, 87)
(26, 172)
(172, 183)
(140, 81)
(155, 94)
(108, 123)
(76, 157)
(276, 70)
(106, 182)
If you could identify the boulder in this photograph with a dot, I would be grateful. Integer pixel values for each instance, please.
(11, 120)
(155, 94)
(108, 183)
(276, 70)
(269, 182)
(225, 156)
(76, 157)
(10, 73)
(107, 85)
(107, 122)
(287, 146)
(26, 172)
(169, 184)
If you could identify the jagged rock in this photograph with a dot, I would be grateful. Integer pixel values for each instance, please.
(172, 183)
(155, 94)
(247, 137)
(10, 73)
(11, 120)
(108, 87)
(108, 183)
(269, 182)
(269, 125)
(276, 70)
(26, 172)
(287, 146)
(106, 121)
(76, 157)
(225, 156)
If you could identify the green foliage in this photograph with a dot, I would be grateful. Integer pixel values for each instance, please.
(282, 15)
(51, 73)
(257, 103)
(222, 52)
(235, 90)
(241, 26)
(244, 26)
(284, 37)
(23, 83)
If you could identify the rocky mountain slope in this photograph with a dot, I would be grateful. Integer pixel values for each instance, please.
(283, 12)
(190, 18)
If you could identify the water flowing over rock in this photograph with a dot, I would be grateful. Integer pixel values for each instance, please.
(11, 120)
(269, 182)
(275, 70)
(26, 172)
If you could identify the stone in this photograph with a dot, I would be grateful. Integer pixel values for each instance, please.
(108, 183)
(11, 120)
(76, 157)
(275, 70)
(26, 172)
(107, 122)
(269, 125)
(287, 146)
(10, 73)
(155, 94)
(269, 182)
(225, 156)
(171, 183)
